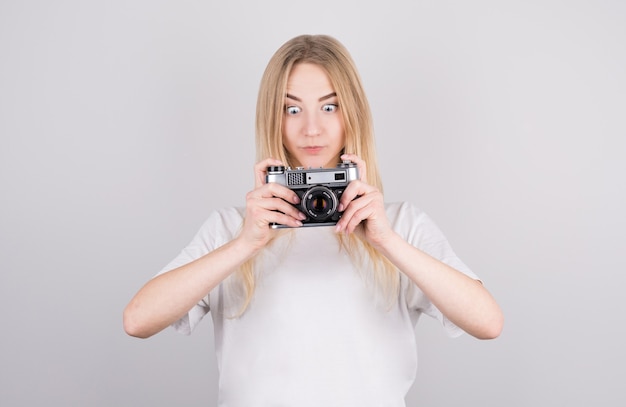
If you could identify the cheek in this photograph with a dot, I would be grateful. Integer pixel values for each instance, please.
(287, 134)
(339, 131)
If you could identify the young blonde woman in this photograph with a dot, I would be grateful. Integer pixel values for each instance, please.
(315, 316)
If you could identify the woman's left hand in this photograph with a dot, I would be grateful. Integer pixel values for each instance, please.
(363, 203)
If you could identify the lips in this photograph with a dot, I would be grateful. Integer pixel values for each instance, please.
(313, 149)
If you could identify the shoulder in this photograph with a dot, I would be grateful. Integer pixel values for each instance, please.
(412, 223)
(404, 215)
(229, 216)
(222, 224)
(417, 228)
(402, 209)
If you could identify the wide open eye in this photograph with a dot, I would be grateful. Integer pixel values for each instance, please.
(330, 107)
(292, 110)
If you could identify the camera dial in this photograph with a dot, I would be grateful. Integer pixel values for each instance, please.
(275, 169)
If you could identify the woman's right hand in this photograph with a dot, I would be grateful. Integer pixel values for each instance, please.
(268, 203)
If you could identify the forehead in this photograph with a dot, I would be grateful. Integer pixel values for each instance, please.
(307, 78)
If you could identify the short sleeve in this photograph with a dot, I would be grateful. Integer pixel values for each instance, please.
(419, 230)
(220, 227)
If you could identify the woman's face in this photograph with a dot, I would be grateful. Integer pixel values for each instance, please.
(313, 131)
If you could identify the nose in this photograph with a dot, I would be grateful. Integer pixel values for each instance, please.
(312, 125)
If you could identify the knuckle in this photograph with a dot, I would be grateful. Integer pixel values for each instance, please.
(255, 211)
(270, 187)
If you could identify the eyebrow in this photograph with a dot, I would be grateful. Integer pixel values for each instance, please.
(297, 99)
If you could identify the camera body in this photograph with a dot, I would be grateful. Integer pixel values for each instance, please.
(319, 190)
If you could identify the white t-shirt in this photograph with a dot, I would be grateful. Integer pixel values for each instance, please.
(314, 333)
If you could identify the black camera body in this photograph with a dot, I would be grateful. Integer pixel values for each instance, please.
(319, 190)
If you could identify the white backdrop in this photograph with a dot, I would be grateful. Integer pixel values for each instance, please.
(124, 123)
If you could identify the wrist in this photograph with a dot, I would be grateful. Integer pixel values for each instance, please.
(387, 243)
(245, 248)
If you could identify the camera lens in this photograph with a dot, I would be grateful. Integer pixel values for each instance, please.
(320, 203)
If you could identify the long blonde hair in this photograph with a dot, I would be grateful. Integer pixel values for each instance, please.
(334, 58)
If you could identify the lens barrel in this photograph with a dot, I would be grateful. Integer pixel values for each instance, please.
(320, 203)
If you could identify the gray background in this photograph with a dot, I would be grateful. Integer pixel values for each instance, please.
(124, 123)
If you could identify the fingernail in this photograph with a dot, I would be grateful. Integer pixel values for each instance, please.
(338, 228)
(340, 207)
(298, 223)
(296, 200)
(302, 216)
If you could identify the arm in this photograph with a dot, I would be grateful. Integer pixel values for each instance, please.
(169, 296)
(463, 300)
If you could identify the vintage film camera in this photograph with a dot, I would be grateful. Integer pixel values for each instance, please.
(319, 190)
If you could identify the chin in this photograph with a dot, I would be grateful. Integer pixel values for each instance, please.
(318, 162)
(310, 164)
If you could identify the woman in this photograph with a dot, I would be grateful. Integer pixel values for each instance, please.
(315, 315)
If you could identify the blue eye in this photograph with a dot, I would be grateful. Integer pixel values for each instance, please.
(331, 107)
(292, 109)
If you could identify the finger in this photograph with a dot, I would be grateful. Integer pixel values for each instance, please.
(260, 170)
(356, 219)
(354, 190)
(280, 205)
(283, 192)
(361, 165)
(357, 211)
(267, 207)
(263, 217)
(271, 190)
(368, 207)
(286, 220)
